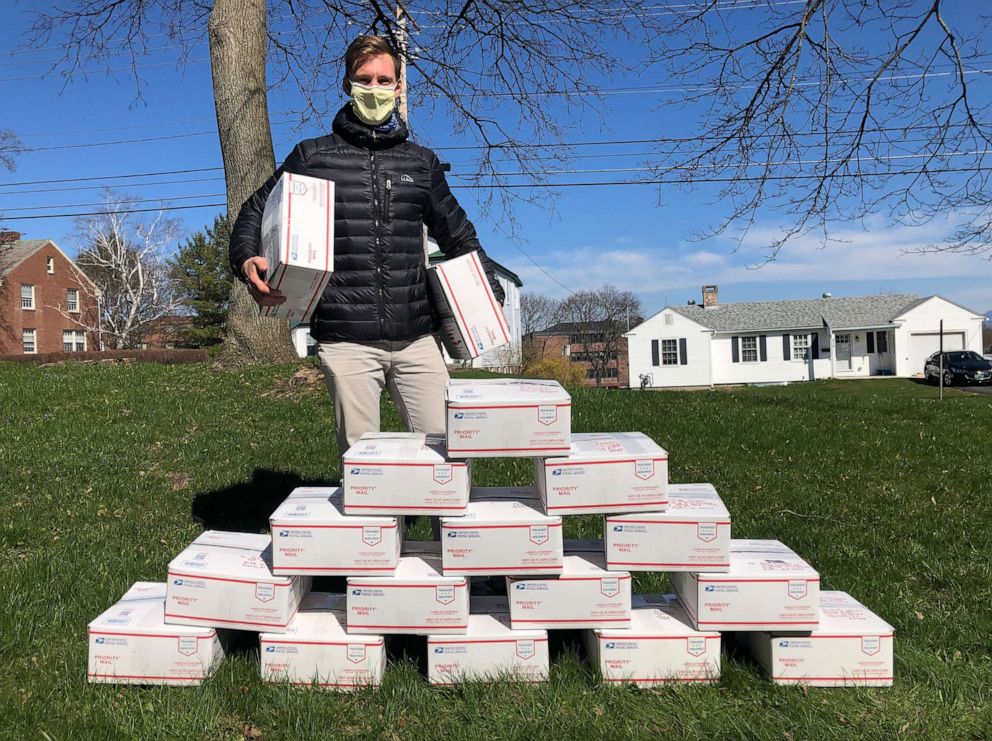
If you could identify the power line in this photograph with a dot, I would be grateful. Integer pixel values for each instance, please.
(113, 177)
(118, 211)
(129, 201)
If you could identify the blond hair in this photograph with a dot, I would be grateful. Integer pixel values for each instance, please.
(364, 48)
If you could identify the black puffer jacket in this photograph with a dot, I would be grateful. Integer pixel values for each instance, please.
(385, 189)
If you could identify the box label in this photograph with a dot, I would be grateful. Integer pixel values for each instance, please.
(706, 531)
(547, 414)
(444, 594)
(443, 473)
(609, 586)
(187, 645)
(265, 592)
(797, 588)
(526, 649)
(644, 469)
(371, 535)
(696, 645)
(356, 654)
(539, 534)
(870, 645)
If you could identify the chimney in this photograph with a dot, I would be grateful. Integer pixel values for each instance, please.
(9, 237)
(710, 297)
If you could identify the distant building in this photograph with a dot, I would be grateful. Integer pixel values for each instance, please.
(711, 343)
(164, 333)
(46, 301)
(579, 342)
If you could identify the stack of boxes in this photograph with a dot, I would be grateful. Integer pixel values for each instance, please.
(758, 589)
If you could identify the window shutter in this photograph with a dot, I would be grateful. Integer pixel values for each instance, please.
(786, 347)
(682, 358)
(735, 349)
(654, 353)
(870, 336)
(764, 347)
(814, 346)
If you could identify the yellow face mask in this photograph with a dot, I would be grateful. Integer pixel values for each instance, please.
(371, 103)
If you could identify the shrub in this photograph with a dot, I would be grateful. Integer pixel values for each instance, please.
(557, 369)
(165, 357)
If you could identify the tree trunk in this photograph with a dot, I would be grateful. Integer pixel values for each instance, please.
(237, 63)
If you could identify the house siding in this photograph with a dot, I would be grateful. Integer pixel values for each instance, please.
(774, 369)
(696, 370)
(925, 319)
(49, 297)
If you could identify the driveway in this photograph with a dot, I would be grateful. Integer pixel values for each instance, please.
(976, 389)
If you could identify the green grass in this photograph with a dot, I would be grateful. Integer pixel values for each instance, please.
(102, 469)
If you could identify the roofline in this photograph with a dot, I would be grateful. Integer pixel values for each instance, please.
(937, 295)
(58, 249)
(666, 308)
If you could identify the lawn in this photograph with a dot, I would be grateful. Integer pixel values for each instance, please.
(107, 472)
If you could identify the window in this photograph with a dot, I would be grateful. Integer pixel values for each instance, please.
(669, 352)
(72, 299)
(73, 340)
(882, 341)
(606, 373)
(669, 319)
(51, 265)
(27, 296)
(29, 341)
(800, 347)
(749, 349)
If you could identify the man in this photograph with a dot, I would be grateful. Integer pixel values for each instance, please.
(373, 324)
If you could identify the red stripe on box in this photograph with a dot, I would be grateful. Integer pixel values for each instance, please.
(515, 680)
(276, 680)
(834, 679)
(608, 504)
(464, 325)
(659, 680)
(549, 464)
(432, 642)
(624, 636)
(327, 234)
(297, 526)
(148, 635)
(592, 578)
(667, 522)
(344, 570)
(408, 586)
(500, 319)
(405, 627)
(222, 578)
(754, 581)
(500, 450)
(506, 568)
(318, 643)
(858, 636)
(575, 620)
(497, 527)
(147, 676)
(652, 563)
(813, 624)
(353, 462)
(224, 620)
(355, 507)
(458, 405)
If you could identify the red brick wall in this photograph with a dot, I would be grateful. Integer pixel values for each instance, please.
(49, 296)
(552, 346)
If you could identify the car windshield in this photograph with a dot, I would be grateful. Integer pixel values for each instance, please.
(957, 357)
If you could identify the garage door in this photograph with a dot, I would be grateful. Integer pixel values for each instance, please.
(922, 346)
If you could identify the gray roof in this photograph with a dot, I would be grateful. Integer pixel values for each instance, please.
(837, 313)
(13, 254)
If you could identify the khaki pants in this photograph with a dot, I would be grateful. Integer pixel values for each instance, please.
(357, 372)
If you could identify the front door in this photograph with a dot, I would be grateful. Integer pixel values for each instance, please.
(843, 359)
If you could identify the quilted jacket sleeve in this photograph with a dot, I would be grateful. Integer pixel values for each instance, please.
(449, 225)
(246, 235)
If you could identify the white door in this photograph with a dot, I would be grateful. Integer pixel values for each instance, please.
(923, 345)
(843, 359)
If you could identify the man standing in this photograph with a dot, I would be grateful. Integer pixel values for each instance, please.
(373, 324)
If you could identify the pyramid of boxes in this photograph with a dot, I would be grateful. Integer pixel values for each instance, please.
(759, 590)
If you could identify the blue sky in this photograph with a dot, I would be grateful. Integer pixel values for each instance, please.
(636, 237)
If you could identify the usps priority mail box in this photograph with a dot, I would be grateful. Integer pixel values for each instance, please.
(130, 643)
(503, 531)
(767, 587)
(659, 647)
(225, 579)
(605, 472)
(312, 535)
(489, 650)
(317, 651)
(298, 242)
(472, 321)
(407, 473)
(693, 534)
(507, 417)
(417, 599)
(853, 647)
(585, 595)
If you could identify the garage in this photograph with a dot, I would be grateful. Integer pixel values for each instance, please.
(923, 345)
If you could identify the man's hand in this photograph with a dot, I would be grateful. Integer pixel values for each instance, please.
(254, 268)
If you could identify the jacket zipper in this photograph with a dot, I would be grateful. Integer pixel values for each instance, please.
(376, 196)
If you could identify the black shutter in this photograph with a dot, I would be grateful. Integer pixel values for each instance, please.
(682, 359)
(786, 347)
(764, 348)
(870, 336)
(814, 348)
(654, 353)
(735, 349)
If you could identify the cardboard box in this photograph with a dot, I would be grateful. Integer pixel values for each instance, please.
(659, 647)
(507, 417)
(693, 534)
(316, 650)
(298, 242)
(489, 650)
(605, 472)
(225, 580)
(852, 647)
(131, 644)
(404, 473)
(585, 595)
(768, 587)
(503, 531)
(416, 599)
(472, 321)
(312, 535)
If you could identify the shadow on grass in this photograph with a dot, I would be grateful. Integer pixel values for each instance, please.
(246, 507)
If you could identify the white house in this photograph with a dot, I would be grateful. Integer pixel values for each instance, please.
(503, 359)
(783, 341)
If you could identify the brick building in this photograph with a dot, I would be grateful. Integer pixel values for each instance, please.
(580, 342)
(46, 301)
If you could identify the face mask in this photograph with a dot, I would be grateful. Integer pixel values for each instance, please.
(372, 104)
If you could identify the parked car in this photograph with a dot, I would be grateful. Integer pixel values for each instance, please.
(960, 366)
